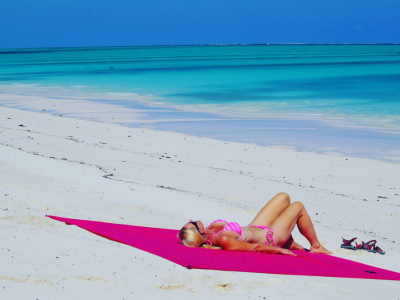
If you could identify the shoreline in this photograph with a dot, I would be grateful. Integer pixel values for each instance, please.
(153, 103)
(63, 166)
(300, 134)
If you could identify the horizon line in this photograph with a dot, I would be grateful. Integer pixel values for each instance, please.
(233, 44)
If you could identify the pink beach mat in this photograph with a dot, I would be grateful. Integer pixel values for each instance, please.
(162, 242)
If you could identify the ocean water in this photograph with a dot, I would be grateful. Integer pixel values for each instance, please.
(306, 96)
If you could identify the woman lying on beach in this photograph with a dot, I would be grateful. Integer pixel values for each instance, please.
(269, 232)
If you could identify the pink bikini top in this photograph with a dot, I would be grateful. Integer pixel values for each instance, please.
(231, 226)
(235, 227)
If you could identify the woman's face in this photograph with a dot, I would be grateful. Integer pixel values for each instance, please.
(192, 226)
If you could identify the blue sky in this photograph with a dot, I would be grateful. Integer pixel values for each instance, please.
(84, 23)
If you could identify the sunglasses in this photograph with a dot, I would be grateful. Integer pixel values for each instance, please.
(197, 226)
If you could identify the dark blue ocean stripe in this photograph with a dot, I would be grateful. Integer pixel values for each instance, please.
(193, 68)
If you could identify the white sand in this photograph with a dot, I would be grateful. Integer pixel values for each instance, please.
(56, 165)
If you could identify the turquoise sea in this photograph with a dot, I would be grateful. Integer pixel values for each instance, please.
(324, 98)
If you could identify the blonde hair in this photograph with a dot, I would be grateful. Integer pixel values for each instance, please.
(192, 238)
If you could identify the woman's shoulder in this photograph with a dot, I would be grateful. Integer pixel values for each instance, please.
(216, 222)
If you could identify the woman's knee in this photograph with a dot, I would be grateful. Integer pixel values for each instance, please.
(298, 205)
(284, 198)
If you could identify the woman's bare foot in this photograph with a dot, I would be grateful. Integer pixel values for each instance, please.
(319, 249)
(292, 245)
(295, 246)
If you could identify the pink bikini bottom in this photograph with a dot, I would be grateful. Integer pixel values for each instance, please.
(270, 232)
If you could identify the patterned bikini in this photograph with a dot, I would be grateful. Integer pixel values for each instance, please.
(235, 227)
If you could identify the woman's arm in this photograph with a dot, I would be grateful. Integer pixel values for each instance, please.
(232, 244)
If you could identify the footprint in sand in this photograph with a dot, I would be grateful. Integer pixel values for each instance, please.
(172, 287)
(223, 287)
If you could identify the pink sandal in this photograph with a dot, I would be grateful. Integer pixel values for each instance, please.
(347, 244)
(371, 247)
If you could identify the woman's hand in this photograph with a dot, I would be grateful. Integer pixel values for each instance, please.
(286, 252)
(227, 240)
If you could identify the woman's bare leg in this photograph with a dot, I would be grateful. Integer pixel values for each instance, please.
(284, 224)
(271, 211)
